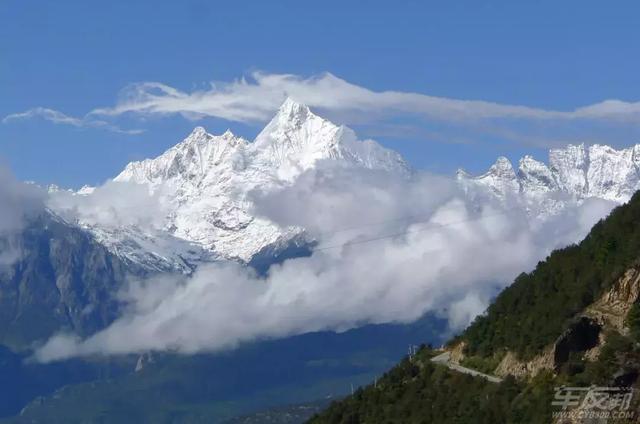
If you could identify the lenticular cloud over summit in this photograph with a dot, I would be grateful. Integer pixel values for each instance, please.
(388, 244)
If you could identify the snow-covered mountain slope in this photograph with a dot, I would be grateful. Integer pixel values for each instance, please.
(207, 179)
(205, 183)
(574, 174)
(296, 139)
(144, 247)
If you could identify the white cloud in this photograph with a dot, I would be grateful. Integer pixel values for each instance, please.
(58, 117)
(19, 202)
(447, 256)
(463, 311)
(255, 100)
(112, 205)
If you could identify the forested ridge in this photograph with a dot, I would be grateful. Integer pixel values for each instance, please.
(534, 310)
(528, 316)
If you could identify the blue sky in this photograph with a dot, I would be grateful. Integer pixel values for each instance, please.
(78, 56)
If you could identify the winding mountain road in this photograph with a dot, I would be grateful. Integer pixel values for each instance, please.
(445, 359)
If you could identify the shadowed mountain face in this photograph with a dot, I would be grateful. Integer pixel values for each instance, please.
(62, 280)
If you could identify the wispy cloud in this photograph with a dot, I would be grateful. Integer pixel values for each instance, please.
(58, 117)
(255, 99)
(20, 203)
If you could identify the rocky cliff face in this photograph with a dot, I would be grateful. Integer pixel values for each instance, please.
(511, 365)
(587, 334)
(62, 280)
(612, 308)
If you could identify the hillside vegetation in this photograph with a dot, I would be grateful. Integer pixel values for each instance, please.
(533, 311)
(527, 318)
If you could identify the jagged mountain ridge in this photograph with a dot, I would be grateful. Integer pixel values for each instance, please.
(573, 174)
(207, 180)
(577, 170)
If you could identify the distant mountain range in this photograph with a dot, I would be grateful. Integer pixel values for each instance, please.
(206, 181)
(71, 268)
(573, 174)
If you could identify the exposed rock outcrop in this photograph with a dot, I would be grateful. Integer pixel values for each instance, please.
(457, 353)
(586, 334)
(511, 365)
(612, 308)
(581, 336)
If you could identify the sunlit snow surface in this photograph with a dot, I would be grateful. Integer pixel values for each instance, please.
(206, 182)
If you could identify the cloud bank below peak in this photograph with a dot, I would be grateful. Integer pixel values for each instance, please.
(406, 262)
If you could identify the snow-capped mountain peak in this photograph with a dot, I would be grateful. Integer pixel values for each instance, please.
(569, 166)
(197, 133)
(228, 134)
(535, 176)
(574, 173)
(292, 111)
(206, 179)
(296, 139)
(500, 179)
(502, 168)
(192, 160)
